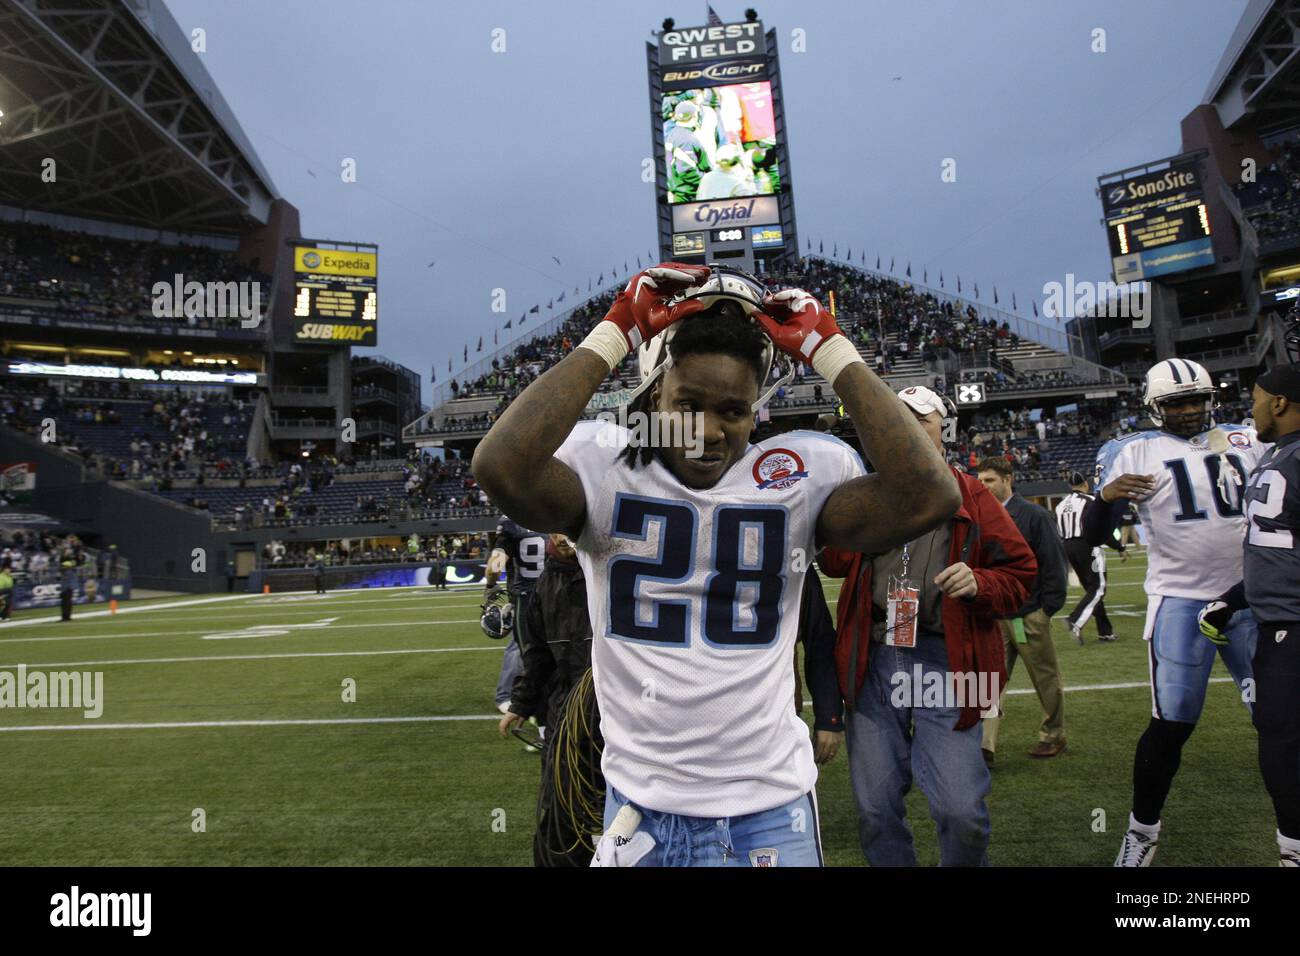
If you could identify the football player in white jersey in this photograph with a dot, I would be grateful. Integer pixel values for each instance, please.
(695, 553)
(1187, 477)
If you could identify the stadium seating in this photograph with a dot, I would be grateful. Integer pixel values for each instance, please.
(53, 272)
(899, 330)
(1272, 201)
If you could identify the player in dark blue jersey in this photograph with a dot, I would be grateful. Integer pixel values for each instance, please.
(522, 555)
(1271, 588)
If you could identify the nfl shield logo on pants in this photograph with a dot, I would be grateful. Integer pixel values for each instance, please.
(763, 857)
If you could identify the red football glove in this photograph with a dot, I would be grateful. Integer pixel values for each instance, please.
(641, 312)
(797, 323)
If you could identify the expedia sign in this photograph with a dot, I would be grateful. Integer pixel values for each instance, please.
(723, 73)
(700, 44)
(334, 262)
(752, 211)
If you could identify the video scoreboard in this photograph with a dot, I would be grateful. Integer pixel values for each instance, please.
(335, 295)
(722, 173)
(1157, 221)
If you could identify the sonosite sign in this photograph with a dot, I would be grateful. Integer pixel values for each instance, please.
(1156, 220)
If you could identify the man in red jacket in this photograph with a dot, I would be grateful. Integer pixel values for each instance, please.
(920, 657)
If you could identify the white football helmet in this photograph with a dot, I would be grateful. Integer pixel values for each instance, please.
(686, 114)
(1174, 380)
(725, 283)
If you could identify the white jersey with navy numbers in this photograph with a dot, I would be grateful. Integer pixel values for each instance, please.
(1194, 529)
(694, 598)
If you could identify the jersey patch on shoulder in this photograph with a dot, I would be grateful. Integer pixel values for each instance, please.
(1239, 439)
(778, 468)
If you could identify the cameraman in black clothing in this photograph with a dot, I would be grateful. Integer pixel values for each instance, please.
(555, 646)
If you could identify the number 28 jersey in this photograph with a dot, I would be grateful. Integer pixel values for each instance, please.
(1194, 530)
(694, 600)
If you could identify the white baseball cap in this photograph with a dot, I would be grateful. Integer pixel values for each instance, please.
(924, 400)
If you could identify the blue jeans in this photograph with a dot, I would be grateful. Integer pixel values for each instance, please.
(512, 665)
(783, 836)
(888, 745)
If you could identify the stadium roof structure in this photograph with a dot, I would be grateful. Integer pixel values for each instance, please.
(114, 93)
(1259, 75)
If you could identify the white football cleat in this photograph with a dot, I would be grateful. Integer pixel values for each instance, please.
(1076, 632)
(1138, 849)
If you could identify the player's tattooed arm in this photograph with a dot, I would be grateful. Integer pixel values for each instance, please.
(912, 491)
(515, 462)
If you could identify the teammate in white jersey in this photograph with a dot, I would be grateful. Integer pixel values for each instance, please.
(1187, 477)
(695, 553)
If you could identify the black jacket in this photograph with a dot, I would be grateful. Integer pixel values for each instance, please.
(555, 642)
(817, 631)
(1038, 527)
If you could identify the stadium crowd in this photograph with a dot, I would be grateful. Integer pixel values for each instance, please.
(41, 556)
(1272, 201)
(890, 320)
(415, 548)
(79, 276)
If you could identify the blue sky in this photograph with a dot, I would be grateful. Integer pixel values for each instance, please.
(490, 164)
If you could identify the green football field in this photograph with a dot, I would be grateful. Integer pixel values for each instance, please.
(231, 712)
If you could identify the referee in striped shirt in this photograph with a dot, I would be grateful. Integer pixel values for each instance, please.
(1088, 563)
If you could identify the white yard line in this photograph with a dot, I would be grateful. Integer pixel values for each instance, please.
(254, 657)
(1082, 687)
(317, 608)
(212, 629)
(193, 602)
(255, 723)
(335, 721)
(79, 615)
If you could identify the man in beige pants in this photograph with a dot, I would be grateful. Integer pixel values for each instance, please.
(1028, 635)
